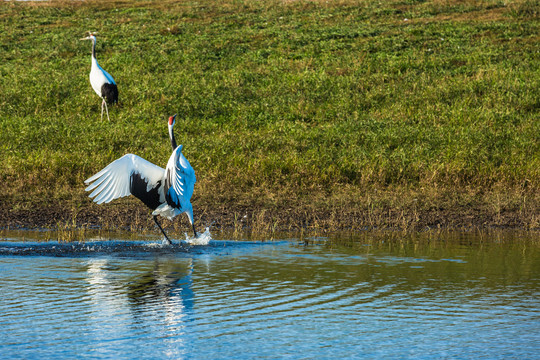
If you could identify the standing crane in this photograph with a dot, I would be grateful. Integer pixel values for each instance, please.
(166, 191)
(102, 82)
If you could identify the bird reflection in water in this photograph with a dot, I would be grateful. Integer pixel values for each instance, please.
(152, 297)
(167, 287)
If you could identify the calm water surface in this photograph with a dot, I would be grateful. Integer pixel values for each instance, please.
(283, 299)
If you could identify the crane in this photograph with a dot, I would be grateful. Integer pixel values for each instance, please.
(102, 82)
(165, 191)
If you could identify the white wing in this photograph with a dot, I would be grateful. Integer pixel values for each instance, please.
(114, 180)
(98, 77)
(179, 180)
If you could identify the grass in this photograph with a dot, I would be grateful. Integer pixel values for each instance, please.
(326, 114)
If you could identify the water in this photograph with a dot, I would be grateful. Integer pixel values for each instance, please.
(281, 299)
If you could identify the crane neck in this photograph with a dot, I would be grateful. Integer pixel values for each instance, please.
(94, 48)
(171, 137)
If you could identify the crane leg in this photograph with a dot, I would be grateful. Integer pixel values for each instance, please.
(102, 103)
(106, 109)
(194, 232)
(160, 228)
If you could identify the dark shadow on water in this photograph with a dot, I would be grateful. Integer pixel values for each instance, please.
(117, 248)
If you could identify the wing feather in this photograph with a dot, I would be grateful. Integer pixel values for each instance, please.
(103, 183)
(180, 182)
(98, 179)
(111, 192)
(114, 181)
(109, 189)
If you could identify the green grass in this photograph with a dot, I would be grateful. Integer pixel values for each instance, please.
(282, 104)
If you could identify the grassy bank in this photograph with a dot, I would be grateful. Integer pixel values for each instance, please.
(330, 114)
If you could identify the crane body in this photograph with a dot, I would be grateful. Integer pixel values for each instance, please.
(102, 82)
(165, 191)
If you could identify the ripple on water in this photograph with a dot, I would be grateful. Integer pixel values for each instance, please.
(111, 299)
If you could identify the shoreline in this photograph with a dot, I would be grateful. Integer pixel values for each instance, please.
(129, 214)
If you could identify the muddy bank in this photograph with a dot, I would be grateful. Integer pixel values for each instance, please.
(129, 214)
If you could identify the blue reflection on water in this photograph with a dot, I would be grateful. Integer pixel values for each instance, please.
(133, 299)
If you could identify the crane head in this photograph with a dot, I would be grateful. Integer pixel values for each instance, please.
(91, 36)
(172, 120)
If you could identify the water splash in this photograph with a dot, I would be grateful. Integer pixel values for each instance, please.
(200, 239)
